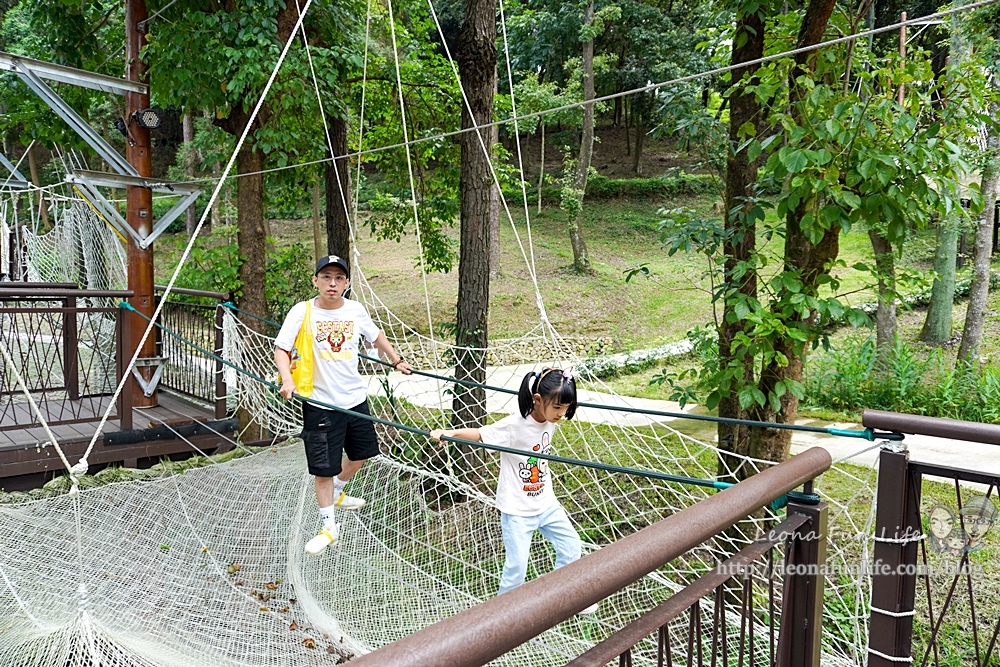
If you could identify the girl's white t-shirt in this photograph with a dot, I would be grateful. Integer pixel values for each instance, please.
(524, 487)
(336, 344)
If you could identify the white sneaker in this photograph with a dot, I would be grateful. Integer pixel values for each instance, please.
(325, 537)
(346, 502)
(587, 611)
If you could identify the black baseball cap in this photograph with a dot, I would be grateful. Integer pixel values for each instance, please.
(332, 260)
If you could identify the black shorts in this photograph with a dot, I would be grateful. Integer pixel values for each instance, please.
(329, 434)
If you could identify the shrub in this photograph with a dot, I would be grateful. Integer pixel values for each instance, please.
(850, 378)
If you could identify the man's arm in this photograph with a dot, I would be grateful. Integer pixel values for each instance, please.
(283, 360)
(389, 353)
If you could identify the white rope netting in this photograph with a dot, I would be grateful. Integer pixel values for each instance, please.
(208, 567)
(203, 567)
(80, 249)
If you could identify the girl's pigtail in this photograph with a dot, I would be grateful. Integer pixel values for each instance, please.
(525, 395)
(568, 392)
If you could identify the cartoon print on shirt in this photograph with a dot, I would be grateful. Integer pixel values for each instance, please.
(336, 344)
(534, 471)
(334, 339)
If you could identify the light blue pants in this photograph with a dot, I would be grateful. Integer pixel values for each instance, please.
(517, 533)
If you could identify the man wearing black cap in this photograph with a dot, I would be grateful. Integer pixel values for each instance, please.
(335, 325)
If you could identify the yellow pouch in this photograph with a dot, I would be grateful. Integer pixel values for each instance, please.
(302, 359)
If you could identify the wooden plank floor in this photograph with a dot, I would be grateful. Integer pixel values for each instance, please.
(175, 428)
(172, 410)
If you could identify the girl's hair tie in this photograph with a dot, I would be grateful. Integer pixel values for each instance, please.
(568, 374)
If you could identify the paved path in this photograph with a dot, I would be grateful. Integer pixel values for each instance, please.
(431, 393)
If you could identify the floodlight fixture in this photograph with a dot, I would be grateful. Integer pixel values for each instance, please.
(147, 118)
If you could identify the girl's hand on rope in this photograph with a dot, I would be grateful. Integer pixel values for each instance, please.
(437, 434)
(403, 367)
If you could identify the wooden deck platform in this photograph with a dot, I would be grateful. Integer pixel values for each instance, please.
(172, 429)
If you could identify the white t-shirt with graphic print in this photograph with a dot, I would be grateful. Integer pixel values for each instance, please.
(336, 343)
(525, 484)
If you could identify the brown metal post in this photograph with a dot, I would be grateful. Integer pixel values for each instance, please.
(71, 356)
(897, 532)
(124, 344)
(220, 380)
(801, 634)
(139, 201)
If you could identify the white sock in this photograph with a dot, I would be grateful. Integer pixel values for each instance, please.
(338, 487)
(327, 514)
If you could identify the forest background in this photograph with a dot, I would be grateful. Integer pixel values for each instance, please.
(807, 222)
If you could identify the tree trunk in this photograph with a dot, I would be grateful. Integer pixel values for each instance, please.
(251, 237)
(495, 217)
(338, 191)
(43, 208)
(190, 169)
(640, 134)
(741, 172)
(581, 262)
(982, 256)
(628, 128)
(885, 318)
(477, 58)
(319, 247)
(541, 165)
(809, 259)
(938, 325)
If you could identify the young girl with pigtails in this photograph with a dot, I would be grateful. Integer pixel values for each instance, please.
(524, 489)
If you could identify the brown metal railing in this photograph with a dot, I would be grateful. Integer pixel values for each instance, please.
(480, 634)
(66, 354)
(188, 371)
(905, 627)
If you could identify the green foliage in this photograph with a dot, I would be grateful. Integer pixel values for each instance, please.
(570, 195)
(848, 378)
(699, 131)
(213, 265)
(82, 35)
(288, 279)
(832, 157)
(601, 187)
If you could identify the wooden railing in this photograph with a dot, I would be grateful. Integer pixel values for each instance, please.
(188, 371)
(65, 355)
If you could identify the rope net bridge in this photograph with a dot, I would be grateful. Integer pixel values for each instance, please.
(207, 567)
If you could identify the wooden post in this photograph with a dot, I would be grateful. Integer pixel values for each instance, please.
(220, 379)
(139, 200)
(800, 638)
(71, 354)
(897, 532)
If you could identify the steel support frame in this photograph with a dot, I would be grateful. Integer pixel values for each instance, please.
(16, 179)
(78, 124)
(70, 75)
(90, 181)
(31, 72)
